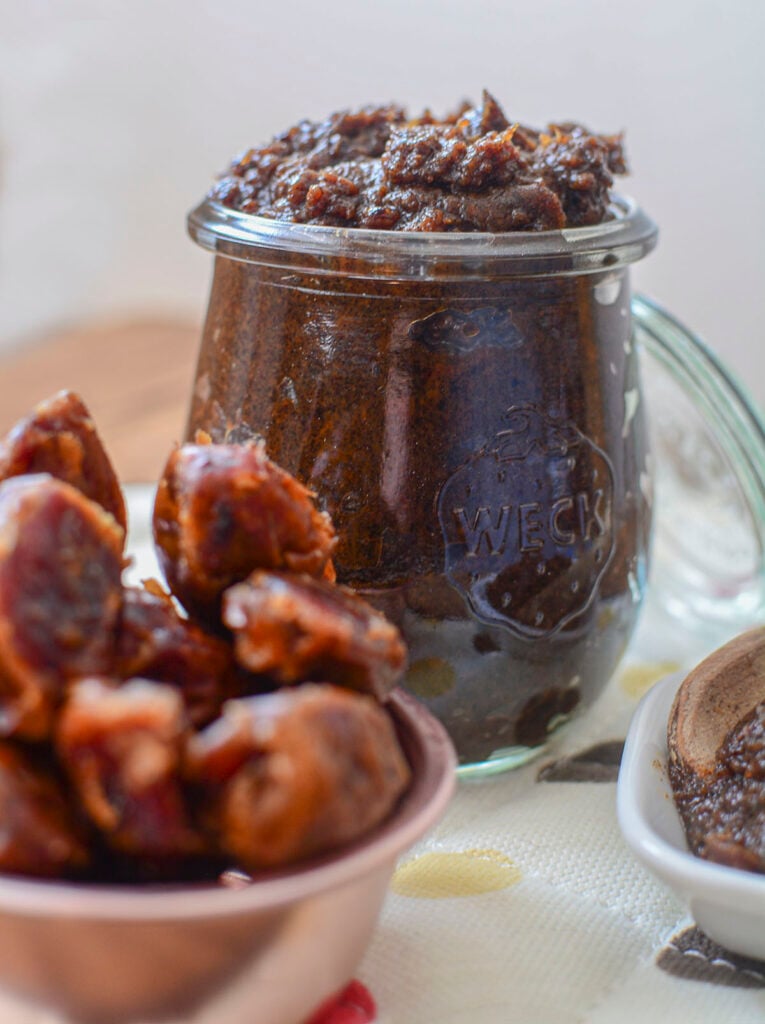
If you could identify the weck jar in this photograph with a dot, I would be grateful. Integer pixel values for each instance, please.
(468, 409)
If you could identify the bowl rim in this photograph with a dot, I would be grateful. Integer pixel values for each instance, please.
(433, 762)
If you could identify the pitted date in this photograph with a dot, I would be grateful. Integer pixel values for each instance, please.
(296, 773)
(295, 628)
(122, 747)
(138, 744)
(40, 834)
(224, 510)
(156, 643)
(60, 438)
(60, 597)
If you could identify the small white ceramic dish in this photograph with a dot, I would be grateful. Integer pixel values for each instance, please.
(726, 903)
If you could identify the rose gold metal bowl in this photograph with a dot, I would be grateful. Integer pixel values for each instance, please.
(265, 953)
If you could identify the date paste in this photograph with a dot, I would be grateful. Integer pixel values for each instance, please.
(472, 171)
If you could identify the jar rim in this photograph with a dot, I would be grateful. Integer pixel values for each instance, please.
(627, 236)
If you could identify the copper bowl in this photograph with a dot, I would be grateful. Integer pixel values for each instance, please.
(269, 951)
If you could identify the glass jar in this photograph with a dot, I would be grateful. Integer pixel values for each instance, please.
(468, 409)
(707, 441)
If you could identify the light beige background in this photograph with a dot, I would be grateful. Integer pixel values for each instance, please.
(114, 116)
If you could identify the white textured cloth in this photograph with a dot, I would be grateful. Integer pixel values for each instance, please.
(580, 933)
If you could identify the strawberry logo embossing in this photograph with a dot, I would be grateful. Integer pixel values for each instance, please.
(527, 524)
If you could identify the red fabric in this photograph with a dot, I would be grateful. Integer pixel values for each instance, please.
(354, 1005)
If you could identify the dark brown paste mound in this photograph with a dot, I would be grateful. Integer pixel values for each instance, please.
(472, 171)
(724, 811)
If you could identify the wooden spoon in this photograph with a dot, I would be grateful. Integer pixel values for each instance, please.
(716, 695)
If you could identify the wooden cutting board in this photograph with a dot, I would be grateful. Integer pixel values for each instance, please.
(135, 377)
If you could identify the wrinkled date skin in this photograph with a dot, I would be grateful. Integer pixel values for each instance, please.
(60, 597)
(122, 747)
(296, 628)
(223, 511)
(154, 642)
(295, 773)
(60, 438)
(40, 833)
